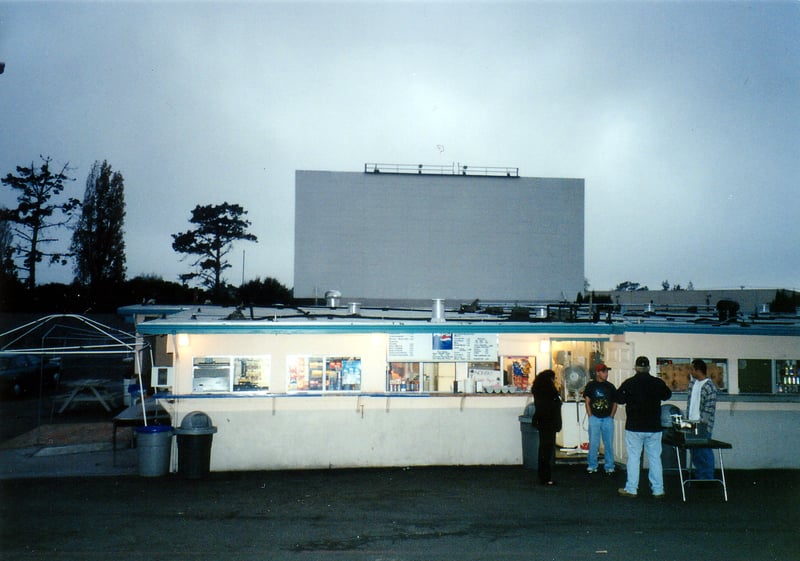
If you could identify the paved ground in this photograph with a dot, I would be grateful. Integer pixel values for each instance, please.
(452, 513)
(63, 498)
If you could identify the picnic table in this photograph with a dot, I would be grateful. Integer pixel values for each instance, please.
(86, 391)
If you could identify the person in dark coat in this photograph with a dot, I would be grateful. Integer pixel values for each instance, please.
(546, 418)
(642, 395)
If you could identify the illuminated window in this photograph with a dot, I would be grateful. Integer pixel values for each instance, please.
(677, 372)
(317, 373)
(222, 374)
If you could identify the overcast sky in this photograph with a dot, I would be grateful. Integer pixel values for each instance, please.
(683, 118)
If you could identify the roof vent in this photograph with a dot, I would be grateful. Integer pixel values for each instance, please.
(332, 298)
(354, 309)
(437, 311)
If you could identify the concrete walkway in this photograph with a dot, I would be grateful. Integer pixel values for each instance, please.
(75, 460)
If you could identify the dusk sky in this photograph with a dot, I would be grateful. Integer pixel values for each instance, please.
(682, 117)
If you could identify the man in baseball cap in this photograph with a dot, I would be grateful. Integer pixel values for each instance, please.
(599, 395)
(642, 395)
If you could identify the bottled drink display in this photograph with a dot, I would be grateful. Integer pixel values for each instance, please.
(788, 377)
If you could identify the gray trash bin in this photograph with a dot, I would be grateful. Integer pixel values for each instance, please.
(154, 448)
(195, 436)
(530, 438)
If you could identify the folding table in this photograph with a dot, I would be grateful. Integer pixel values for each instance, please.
(675, 440)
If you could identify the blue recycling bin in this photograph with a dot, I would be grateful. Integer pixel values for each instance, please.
(154, 449)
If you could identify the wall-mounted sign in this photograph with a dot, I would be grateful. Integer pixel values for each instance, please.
(442, 347)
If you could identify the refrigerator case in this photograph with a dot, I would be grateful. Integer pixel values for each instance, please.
(212, 376)
(574, 431)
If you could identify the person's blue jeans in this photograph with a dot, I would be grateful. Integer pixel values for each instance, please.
(601, 428)
(650, 442)
(703, 462)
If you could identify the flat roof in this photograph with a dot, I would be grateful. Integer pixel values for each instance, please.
(328, 320)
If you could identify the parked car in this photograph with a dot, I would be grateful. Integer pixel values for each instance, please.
(21, 374)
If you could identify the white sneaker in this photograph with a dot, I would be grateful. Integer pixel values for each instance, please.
(590, 470)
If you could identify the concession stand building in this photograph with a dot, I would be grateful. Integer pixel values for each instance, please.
(329, 387)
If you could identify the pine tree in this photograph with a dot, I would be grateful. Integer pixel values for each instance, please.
(38, 214)
(98, 244)
(218, 226)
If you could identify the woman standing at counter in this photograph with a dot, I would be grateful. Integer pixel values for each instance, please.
(546, 418)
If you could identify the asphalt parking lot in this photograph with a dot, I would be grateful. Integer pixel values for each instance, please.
(446, 513)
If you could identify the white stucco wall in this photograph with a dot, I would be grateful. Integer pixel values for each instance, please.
(372, 428)
(764, 432)
(361, 431)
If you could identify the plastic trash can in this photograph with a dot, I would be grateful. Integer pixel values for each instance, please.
(530, 438)
(154, 448)
(195, 436)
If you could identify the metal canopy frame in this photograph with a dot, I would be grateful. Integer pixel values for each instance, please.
(12, 342)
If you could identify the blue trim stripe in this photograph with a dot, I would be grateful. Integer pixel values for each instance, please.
(167, 327)
(237, 395)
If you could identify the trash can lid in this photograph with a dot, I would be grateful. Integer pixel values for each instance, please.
(153, 429)
(196, 422)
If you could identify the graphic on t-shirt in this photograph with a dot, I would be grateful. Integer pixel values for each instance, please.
(599, 401)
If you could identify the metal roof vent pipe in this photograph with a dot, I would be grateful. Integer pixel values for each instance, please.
(354, 309)
(332, 298)
(437, 311)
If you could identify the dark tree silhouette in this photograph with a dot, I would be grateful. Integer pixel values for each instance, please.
(264, 293)
(98, 245)
(38, 214)
(218, 226)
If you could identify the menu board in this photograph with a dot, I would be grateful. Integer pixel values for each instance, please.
(442, 347)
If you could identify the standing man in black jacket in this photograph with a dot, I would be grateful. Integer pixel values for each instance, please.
(642, 395)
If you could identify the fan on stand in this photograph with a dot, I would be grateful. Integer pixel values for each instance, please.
(575, 378)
